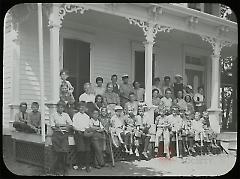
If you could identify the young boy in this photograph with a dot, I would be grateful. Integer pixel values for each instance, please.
(64, 76)
(81, 125)
(68, 98)
(176, 123)
(143, 125)
(35, 117)
(197, 126)
(117, 128)
(132, 104)
(129, 120)
(167, 100)
(97, 139)
(162, 134)
(22, 122)
(60, 123)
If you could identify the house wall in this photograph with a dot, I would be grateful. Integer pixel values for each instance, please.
(7, 70)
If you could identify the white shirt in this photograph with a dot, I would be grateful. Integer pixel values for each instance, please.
(87, 97)
(167, 102)
(60, 119)
(81, 121)
(117, 121)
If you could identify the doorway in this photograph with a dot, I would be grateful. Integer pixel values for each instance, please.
(140, 67)
(76, 59)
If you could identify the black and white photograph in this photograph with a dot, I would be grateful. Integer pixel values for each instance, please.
(120, 89)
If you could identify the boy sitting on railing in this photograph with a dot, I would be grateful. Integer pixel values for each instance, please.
(22, 121)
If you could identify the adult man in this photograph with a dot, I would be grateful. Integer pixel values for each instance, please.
(116, 86)
(125, 90)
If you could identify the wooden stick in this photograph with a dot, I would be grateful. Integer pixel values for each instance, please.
(111, 151)
(177, 148)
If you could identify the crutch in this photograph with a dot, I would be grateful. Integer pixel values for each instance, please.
(177, 148)
(111, 151)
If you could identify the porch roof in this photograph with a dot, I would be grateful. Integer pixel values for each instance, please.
(172, 16)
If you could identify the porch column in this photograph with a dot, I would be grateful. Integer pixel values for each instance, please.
(214, 110)
(148, 72)
(55, 25)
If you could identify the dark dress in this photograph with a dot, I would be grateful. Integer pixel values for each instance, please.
(177, 87)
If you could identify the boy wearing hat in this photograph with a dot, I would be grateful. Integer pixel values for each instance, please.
(117, 128)
(125, 90)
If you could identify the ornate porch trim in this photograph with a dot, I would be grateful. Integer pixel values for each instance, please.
(71, 7)
(150, 30)
(217, 44)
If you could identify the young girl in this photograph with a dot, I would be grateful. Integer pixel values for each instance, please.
(190, 107)
(199, 100)
(60, 124)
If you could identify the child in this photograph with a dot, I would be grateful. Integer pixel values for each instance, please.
(97, 139)
(81, 125)
(167, 100)
(132, 104)
(106, 122)
(176, 123)
(68, 98)
(143, 124)
(117, 128)
(99, 101)
(64, 76)
(35, 117)
(129, 120)
(22, 121)
(199, 100)
(180, 101)
(162, 133)
(60, 124)
(189, 102)
(197, 126)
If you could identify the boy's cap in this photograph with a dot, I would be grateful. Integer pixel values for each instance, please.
(189, 86)
(118, 108)
(178, 76)
(125, 76)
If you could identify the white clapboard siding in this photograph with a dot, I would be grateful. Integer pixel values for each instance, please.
(29, 61)
(7, 70)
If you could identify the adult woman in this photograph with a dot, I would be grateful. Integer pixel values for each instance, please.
(99, 101)
(189, 102)
(111, 99)
(60, 123)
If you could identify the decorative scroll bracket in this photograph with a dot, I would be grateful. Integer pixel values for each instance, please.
(150, 30)
(217, 44)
